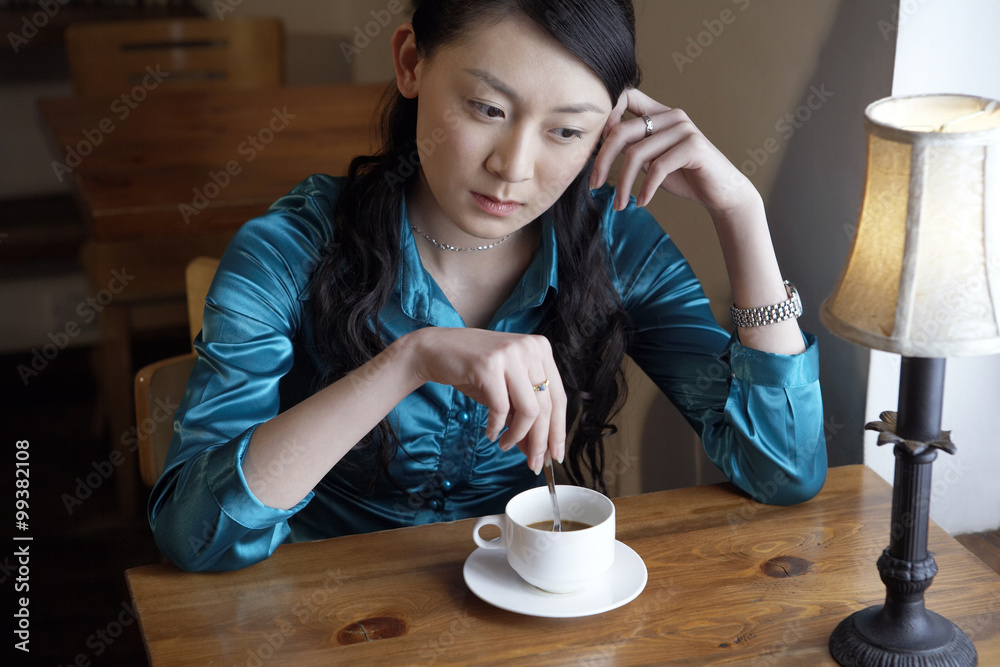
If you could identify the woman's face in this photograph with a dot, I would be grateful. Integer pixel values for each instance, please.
(507, 118)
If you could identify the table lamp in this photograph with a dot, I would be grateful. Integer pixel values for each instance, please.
(922, 280)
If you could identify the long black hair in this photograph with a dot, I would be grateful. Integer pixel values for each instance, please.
(586, 324)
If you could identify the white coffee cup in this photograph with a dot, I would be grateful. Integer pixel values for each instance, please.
(555, 562)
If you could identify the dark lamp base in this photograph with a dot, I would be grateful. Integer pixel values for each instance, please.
(902, 632)
(870, 637)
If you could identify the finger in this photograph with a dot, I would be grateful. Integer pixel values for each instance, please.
(536, 444)
(494, 397)
(617, 114)
(665, 146)
(661, 169)
(619, 134)
(557, 415)
(524, 409)
(639, 103)
(630, 140)
(623, 134)
(602, 164)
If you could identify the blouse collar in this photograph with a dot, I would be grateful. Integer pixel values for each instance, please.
(421, 298)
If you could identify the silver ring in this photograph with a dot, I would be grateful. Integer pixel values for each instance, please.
(649, 124)
(541, 387)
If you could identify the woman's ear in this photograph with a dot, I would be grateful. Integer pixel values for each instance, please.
(405, 60)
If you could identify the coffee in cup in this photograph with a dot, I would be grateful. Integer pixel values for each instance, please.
(561, 562)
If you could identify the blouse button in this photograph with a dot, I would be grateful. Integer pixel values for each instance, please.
(446, 485)
(463, 417)
(434, 504)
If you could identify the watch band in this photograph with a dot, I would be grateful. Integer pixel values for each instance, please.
(764, 315)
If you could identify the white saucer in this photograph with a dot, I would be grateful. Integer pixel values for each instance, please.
(490, 577)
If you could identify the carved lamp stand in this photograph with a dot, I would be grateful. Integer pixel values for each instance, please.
(902, 631)
(920, 281)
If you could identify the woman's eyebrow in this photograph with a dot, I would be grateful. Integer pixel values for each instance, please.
(502, 88)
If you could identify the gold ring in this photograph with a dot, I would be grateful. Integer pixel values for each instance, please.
(649, 124)
(541, 387)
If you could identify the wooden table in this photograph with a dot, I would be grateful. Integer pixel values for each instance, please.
(166, 178)
(731, 581)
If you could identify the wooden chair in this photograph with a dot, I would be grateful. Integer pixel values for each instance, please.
(160, 386)
(111, 58)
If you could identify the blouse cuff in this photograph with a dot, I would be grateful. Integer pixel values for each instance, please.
(775, 370)
(229, 487)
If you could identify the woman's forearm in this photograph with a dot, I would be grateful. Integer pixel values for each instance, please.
(754, 276)
(289, 454)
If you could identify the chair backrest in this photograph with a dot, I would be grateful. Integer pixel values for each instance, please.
(198, 277)
(112, 58)
(159, 387)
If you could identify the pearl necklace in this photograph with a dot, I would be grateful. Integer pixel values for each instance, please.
(445, 246)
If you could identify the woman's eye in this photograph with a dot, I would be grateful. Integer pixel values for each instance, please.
(488, 110)
(567, 133)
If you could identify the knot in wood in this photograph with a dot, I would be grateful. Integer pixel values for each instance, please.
(371, 629)
(785, 566)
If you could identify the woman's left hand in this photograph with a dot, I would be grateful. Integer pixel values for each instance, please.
(676, 157)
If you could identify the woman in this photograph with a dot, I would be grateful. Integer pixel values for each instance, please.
(410, 343)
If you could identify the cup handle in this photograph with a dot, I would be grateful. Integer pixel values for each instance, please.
(491, 519)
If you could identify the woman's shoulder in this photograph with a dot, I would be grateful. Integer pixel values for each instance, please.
(277, 252)
(307, 209)
(632, 233)
(643, 258)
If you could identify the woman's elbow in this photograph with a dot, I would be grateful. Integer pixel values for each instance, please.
(799, 489)
(793, 486)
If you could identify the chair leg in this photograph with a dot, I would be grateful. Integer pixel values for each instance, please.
(117, 372)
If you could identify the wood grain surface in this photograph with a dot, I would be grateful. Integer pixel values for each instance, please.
(731, 581)
(134, 163)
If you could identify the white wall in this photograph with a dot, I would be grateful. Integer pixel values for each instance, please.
(950, 46)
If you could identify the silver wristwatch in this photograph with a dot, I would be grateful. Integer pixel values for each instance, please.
(779, 312)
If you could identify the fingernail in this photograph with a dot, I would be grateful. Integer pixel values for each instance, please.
(562, 453)
(536, 464)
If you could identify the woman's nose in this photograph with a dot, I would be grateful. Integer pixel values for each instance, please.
(512, 158)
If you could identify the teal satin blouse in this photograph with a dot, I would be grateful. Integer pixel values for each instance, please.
(759, 415)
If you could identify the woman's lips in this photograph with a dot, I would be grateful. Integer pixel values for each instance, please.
(501, 209)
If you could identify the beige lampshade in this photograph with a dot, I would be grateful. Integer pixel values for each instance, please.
(922, 278)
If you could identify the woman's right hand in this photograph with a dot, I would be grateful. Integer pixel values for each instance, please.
(500, 371)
